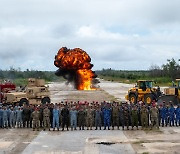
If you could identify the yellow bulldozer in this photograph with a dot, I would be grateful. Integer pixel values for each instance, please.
(143, 91)
(172, 93)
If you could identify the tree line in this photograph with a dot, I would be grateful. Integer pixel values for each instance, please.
(163, 74)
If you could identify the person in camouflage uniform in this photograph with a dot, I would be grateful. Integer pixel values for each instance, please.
(36, 121)
(144, 117)
(81, 118)
(154, 116)
(41, 116)
(126, 117)
(115, 117)
(46, 118)
(98, 118)
(89, 117)
(134, 117)
(121, 115)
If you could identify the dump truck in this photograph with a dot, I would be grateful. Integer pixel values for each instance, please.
(171, 94)
(36, 92)
(143, 91)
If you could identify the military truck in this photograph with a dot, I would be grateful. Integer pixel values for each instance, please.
(35, 93)
(143, 91)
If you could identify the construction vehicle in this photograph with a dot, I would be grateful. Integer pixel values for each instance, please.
(143, 91)
(35, 93)
(171, 94)
(5, 86)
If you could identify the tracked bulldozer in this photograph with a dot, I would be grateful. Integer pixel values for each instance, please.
(143, 91)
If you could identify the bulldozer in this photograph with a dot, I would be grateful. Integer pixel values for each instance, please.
(35, 93)
(143, 91)
(171, 94)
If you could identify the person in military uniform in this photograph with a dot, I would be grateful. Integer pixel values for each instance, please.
(98, 118)
(121, 115)
(154, 116)
(73, 117)
(81, 118)
(12, 118)
(41, 116)
(1, 117)
(36, 121)
(19, 117)
(46, 118)
(31, 108)
(107, 116)
(164, 115)
(26, 116)
(177, 112)
(115, 117)
(56, 117)
(144, 117)
(5, 117)
(126, 117)
(171, 113)
(134, 117)
(65, 117)
(89, 117)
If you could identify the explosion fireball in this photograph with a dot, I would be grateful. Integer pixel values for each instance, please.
(74, 65)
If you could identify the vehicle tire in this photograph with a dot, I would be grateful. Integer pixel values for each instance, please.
(133, 98)
(23, 101)
(45, 100)
(148, 98)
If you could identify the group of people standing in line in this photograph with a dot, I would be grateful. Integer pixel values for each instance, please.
(89, 115)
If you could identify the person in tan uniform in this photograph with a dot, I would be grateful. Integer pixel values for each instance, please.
(154, 116)
(46, 118)
(36, 121)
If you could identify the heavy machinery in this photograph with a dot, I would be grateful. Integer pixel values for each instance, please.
(143, 91)
(5, 86)
(35, 93)
(171, 94)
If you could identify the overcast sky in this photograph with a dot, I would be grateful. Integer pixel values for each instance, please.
(118, 34)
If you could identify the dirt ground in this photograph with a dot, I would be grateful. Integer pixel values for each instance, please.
(165, 140)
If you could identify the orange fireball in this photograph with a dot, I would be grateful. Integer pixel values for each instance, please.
(74, 65)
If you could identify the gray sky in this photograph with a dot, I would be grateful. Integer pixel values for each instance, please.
(118, 34)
